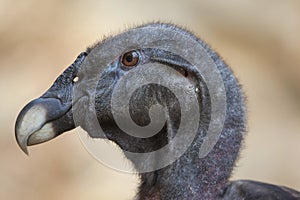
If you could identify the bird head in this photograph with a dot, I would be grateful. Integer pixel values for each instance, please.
(142, 90)
(83, 94)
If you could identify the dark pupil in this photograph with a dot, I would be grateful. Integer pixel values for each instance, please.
(129, 58)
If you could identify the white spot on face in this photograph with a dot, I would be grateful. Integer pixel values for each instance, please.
(76, 79)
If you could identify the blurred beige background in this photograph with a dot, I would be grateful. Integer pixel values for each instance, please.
(39, 39)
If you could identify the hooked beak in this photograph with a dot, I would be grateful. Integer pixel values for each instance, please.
(50, 115)
(41, 120)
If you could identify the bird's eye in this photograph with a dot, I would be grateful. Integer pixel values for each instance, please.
(130, 59)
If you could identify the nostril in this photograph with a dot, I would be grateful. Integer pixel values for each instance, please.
(186, 73)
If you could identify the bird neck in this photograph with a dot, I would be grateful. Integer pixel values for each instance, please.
(191, 177)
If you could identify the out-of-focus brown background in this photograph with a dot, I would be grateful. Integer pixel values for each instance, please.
(39, 39)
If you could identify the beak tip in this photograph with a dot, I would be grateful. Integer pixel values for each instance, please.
(22, 144)
(24, 149)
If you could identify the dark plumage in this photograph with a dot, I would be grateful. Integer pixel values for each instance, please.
(190, 176)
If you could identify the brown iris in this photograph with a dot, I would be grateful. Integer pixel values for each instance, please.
(130, 59)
